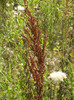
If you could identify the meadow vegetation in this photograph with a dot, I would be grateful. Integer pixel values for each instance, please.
(55, 18)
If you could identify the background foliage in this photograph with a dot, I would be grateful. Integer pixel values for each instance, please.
(56, 19)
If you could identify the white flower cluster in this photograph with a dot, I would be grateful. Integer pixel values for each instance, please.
(57, 76)
(17, 9)
(8, 5)
(21, 8)
(15, 13)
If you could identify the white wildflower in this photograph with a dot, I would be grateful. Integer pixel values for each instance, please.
(62, 74)
(71, 28)
(13, 4)
(20, 8)
(7, 4)
(15, 8)
(57, 76)
(15, 13)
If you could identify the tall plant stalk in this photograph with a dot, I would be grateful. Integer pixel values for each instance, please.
(36, 66)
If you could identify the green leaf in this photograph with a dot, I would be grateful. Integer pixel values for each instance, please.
(70, 54)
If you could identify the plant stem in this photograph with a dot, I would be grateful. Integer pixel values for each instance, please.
(55, 92)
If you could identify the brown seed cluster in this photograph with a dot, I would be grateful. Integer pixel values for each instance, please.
(36, 68)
